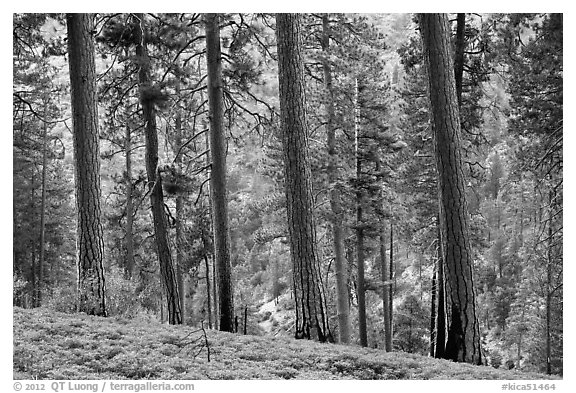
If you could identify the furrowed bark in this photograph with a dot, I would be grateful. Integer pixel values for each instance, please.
(463, 343)
(90, 242)
(311, 318)
(218, 192)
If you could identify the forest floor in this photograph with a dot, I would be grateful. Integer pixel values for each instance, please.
(52, 345)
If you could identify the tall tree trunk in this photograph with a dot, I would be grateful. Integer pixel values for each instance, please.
(335, 203)
(311, 312)
(245, 320)
(384, 273)
(129, 228)
(211, 285)
(30, 295)
(167, 271)
(522, 201)
(519, 343)
(549, 286)
(180, 271)
(90, 242)
(440, 322)
(440, 314)
(215, 293)
(180, 274)
(275, 275)
(208, 294)
(548, 329)
(16, 262)
(464, 332)
(386, 290)
(433, 292)
(218, 174)
(391, 276)
(43, 207)
(360, 286)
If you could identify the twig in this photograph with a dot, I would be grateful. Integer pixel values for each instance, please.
(200, 343)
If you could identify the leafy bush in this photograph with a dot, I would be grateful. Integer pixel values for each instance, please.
(121, 295)
(410, 326)
(18, 285)
(63, 299)
(257, 279)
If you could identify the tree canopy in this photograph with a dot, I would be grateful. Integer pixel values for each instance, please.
(337, 177)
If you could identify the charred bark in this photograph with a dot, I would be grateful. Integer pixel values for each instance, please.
(463, 343)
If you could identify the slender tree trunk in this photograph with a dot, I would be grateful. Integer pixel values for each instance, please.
(180, 274)
(129, 228)
(522, 200)
(167, 271)
(43, 207)
(361, 292)
(335, 203)
(386, 290)
(464, 333)
(215, 293)
(90, 242)
(208, 294)
(31, 298)
(218, 174)
(360, 286)
(459, 46)
(275, 274)
(521, 229)
(420, 279)
(440, 323)
(211, 285)
(549, 287)
(245, 319)
(391, 291)
(519, 343)
(311, 313)
(433, 311)
(31, 294)
(548, 334)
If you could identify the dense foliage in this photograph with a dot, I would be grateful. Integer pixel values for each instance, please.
(512, 120)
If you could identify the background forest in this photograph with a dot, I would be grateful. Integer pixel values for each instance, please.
(374, 181)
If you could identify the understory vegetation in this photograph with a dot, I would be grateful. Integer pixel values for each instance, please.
(54, 345)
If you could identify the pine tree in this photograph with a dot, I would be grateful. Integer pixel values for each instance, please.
(91, 284)
(335, 199)
(218, 190)
(148, 95)
(464, 332)
(311, 316)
